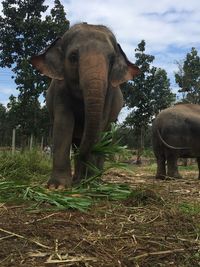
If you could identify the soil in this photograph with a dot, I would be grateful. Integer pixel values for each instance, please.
(150, 229)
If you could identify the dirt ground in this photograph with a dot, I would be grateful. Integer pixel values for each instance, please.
(148, 230)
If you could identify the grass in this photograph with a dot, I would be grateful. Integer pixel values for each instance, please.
(29, 165)
(109, 146)
(189, 168)
(190, 208)
(23, 173)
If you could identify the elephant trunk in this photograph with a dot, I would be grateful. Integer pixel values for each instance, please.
(93, 82)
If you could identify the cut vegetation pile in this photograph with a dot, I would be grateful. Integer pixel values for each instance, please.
(22, 175)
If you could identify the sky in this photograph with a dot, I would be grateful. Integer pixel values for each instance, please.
(170, 29)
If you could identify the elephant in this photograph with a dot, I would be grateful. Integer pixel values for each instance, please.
(175, 134)
(86, 66)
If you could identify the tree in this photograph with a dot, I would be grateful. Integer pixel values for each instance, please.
(34, 122)
(3, 124)
(188, 77)
(162, 96)
(24, 32)
(142, 94)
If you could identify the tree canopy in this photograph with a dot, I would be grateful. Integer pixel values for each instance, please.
(188, 77)
(147, 94)
(25, 29)
(142, 94)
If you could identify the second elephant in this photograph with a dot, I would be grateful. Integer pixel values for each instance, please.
(176, 132)
(86, 65)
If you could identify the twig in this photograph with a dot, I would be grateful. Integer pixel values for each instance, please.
(167, 238)
(152, 220)
(25, 238)
(2, 205)
(72, 259)
(5, 237)
(43, 218)
(108, 237)
(164, 252)
(5, 258)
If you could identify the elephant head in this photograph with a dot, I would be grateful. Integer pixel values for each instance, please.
(89, 60)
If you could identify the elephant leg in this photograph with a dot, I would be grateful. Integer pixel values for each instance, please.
(161, 169)
(80, 170)
(62, 138)
(83, 168)
(172, 167)
(198, 162)
(87, 168)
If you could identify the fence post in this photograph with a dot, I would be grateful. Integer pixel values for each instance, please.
(42, 143)
(31, 142)
(13, 140)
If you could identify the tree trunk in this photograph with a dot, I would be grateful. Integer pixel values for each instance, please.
(13, 141)
(141, 146)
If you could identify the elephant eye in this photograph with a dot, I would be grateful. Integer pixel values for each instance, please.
(73, 57)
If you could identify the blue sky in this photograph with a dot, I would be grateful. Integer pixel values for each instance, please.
(169, 27)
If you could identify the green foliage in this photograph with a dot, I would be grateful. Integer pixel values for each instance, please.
(62, 200)
(24, 166)
(188, 77)
(110, 149)
(148, 153)
(20, 172)
(32, 119)
(190, 208)
(146, 95)
(128, 136)
(109, 145)
(80, 198)
(162, 96)
(142, 94)
(25, 31)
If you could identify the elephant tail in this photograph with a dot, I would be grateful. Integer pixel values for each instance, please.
(170, 146)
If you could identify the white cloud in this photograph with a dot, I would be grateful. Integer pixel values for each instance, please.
(169, 27)
(130, 20)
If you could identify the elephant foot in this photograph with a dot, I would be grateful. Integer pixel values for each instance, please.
(175, 176)
(59, 183)
(161, 177)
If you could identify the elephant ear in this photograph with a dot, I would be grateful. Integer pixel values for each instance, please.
(50, 62)
(122, 70)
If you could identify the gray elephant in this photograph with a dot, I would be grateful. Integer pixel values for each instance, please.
(86, 65)
(176, 132)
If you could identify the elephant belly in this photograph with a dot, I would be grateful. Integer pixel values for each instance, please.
(189, 154)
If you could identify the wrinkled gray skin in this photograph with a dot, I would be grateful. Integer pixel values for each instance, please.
(86, 66)
(176, 133)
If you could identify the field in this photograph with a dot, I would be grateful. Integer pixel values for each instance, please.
(158, 224)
